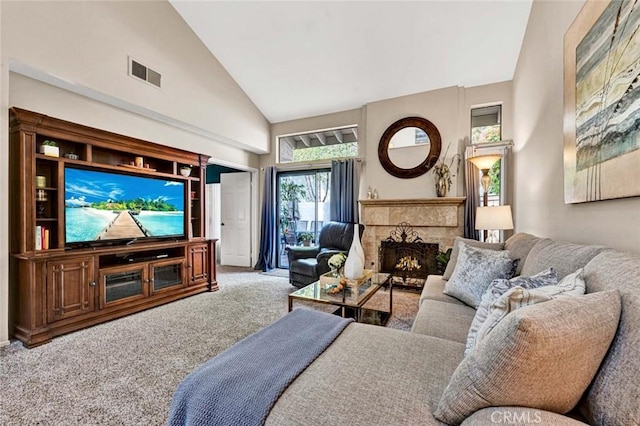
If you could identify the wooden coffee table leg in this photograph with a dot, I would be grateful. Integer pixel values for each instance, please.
(290, 304)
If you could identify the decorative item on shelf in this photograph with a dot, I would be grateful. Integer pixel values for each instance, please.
(336, 262)
(443, 173)
(369, 193)
(185, 171)
(71, 156)
(50, 148)
(337, 288)
(354, 265)
(139, 162)
(41, 198)
(494, 218)
(41, 181)
(375, 194)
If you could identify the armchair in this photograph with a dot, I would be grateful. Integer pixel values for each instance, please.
(306, 264)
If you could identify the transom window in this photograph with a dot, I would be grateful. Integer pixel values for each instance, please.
(486, 124)
(324, 144)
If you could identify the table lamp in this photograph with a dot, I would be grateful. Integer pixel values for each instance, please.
(494, 218)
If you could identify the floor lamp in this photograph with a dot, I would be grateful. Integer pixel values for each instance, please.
(494, 218)
(484, 163)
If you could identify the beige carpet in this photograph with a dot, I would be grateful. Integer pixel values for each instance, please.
(124, 372)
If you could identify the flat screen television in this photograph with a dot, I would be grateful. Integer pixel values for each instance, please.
(103, 206)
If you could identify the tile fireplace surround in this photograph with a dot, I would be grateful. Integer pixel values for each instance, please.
(436, 220)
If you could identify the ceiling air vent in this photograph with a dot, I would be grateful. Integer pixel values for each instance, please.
(138, 70)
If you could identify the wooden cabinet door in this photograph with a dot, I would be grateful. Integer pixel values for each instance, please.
(70, 287)
(198, 267)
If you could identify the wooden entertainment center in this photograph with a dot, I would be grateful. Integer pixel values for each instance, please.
(57, 287)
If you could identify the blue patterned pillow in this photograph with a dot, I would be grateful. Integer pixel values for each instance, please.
(499, 287)
(474, 271)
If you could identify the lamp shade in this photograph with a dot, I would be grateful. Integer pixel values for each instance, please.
(494, 218)
(484, 162)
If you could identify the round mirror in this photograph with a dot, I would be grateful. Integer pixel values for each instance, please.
(409, 147)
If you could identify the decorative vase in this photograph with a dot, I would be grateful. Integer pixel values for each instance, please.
(354, 265)
(441, 187)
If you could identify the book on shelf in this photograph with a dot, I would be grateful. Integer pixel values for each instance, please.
(38, 237)
(42, 238)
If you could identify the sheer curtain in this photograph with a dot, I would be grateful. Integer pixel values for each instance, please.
(345, 177)
(268, 231)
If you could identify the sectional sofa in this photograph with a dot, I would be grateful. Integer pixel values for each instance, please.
(374, 375)
(539, 332)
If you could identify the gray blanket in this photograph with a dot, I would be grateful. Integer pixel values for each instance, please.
(240, 385)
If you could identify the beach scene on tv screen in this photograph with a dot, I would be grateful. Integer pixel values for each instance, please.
(112, 206)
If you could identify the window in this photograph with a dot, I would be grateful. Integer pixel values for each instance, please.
(486, 124)
(303, 206)
(318, 145)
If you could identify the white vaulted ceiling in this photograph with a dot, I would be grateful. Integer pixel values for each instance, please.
(300, 59)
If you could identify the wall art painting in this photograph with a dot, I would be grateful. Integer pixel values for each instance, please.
(602, 102)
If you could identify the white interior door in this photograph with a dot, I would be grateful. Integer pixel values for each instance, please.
(235, 237)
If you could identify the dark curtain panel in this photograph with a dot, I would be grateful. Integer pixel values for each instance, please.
(471, 183)
(344, 191)
(268, 232)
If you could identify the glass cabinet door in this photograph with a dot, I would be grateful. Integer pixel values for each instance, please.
(122, 285)
(167, 274)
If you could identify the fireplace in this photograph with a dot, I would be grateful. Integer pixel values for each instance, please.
(435, 220)
(406, 257)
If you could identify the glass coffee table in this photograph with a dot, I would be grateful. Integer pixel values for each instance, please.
(350, 301)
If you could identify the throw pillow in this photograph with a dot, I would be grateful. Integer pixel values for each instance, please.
(519, 297)
(496, 289)
(543, 356)
(475, 270)
(453, 259)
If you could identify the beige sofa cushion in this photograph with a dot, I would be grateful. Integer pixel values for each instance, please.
(542, 356)
(370, 376)
(445, 320)
(455, 251)
(564, 257)
(519, 245)
(614, 396)
(433, 290)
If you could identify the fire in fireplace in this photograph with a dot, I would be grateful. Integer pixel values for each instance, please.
(406, 257)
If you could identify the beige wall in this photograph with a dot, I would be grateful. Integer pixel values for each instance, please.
(87, 43)
(85, 46)
(539, 206)
(448, 109)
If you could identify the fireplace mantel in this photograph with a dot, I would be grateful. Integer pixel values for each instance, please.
(437, 220)
(414, 201)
